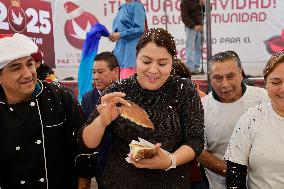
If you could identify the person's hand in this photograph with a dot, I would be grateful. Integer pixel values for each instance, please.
(198, 28)
(114, 36)
(84, 183)
(111, 38)
(202, 2)
(160, 161)
(108, 108)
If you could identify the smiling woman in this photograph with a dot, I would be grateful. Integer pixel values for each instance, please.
(173, 106)
(258, 136)
(274, 77)
(153, 67)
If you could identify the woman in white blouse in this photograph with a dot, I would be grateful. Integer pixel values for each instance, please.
(255, 153)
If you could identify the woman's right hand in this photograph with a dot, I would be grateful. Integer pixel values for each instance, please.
(108, 108)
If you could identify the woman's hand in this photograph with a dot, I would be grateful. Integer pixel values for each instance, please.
(113, 37)
(108, 108)
(160, 161)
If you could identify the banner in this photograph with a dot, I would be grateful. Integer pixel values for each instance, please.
(32, 18)
(252, 28)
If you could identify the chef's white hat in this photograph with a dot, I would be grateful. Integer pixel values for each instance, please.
(15, 47)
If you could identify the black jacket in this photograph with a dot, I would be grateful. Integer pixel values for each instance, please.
(191, 13)
(38, 140)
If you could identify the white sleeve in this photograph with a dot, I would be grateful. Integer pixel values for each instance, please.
(205, 141)
(240, 144)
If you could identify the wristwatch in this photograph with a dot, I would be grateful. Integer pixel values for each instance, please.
(173, 162)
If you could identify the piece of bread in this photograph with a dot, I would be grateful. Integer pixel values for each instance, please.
(136, 114)
(140, 152)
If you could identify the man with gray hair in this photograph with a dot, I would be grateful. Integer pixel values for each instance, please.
(223, 106)
(39, 122)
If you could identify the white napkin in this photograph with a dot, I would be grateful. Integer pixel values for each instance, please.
(145, 143)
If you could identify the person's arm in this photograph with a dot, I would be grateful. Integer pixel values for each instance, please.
(93, 133)
(138, 26)
(213, 163)
(108, 111)
(184, 154)
(236, 176)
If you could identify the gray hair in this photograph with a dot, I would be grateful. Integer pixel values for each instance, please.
(223, 56)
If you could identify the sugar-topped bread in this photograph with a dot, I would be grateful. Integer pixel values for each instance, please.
(136, 114)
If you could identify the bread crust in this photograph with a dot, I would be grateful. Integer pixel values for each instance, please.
(136, 114)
